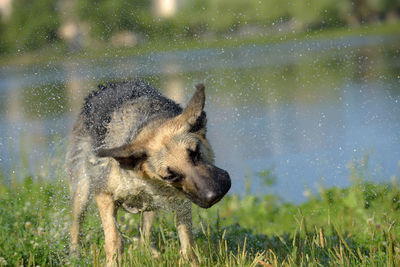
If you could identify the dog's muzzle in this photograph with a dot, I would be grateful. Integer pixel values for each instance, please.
(211, 188)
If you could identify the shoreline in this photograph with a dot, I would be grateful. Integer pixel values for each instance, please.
(56, 54)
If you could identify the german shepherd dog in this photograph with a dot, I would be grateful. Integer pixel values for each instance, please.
(133, 148)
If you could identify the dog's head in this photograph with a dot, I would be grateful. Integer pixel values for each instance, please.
(177, 152)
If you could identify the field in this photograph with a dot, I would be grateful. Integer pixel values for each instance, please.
(355, 226)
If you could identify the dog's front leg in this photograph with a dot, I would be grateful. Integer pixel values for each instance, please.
(113, 240)
(184, 225)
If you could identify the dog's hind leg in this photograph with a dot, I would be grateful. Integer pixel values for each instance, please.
(147, 221)
(184, 225)
(113, 239)
(80, 199)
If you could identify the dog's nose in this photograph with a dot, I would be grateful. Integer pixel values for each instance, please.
(211, 196)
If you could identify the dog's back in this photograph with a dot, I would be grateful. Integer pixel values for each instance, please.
(124, 107)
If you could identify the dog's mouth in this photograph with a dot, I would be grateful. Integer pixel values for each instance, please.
(203, 203)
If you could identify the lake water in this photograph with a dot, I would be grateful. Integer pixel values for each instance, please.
(298, 112)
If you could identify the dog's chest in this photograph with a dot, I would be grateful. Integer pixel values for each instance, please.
(137, 194)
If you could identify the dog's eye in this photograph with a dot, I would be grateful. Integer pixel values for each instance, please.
(195, 155)
(173, 177)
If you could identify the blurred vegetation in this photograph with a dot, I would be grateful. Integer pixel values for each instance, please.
(45, 101)
(36, 24)
(32, 24)
(109, 16)
(355, 226)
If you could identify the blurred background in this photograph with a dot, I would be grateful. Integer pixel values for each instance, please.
(296, 89)
(93, 24)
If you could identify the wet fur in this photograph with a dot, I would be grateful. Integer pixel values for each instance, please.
(113, 103)
(115, 115)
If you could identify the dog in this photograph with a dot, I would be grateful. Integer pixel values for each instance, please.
(135, 149)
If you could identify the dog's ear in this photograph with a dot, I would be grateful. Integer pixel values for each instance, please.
(199, 126)
(128, 156)
(193, 118)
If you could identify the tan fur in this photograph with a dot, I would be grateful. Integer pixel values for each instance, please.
(113, 239)
(144, 175)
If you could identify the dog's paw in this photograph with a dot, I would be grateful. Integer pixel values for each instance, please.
(74, 251)
(137, 243)
(154, 252)
(190, 256)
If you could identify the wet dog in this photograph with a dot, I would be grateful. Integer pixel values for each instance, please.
(133, 148)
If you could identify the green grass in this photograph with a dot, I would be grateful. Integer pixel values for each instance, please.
(355, 226)
(58, 53)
